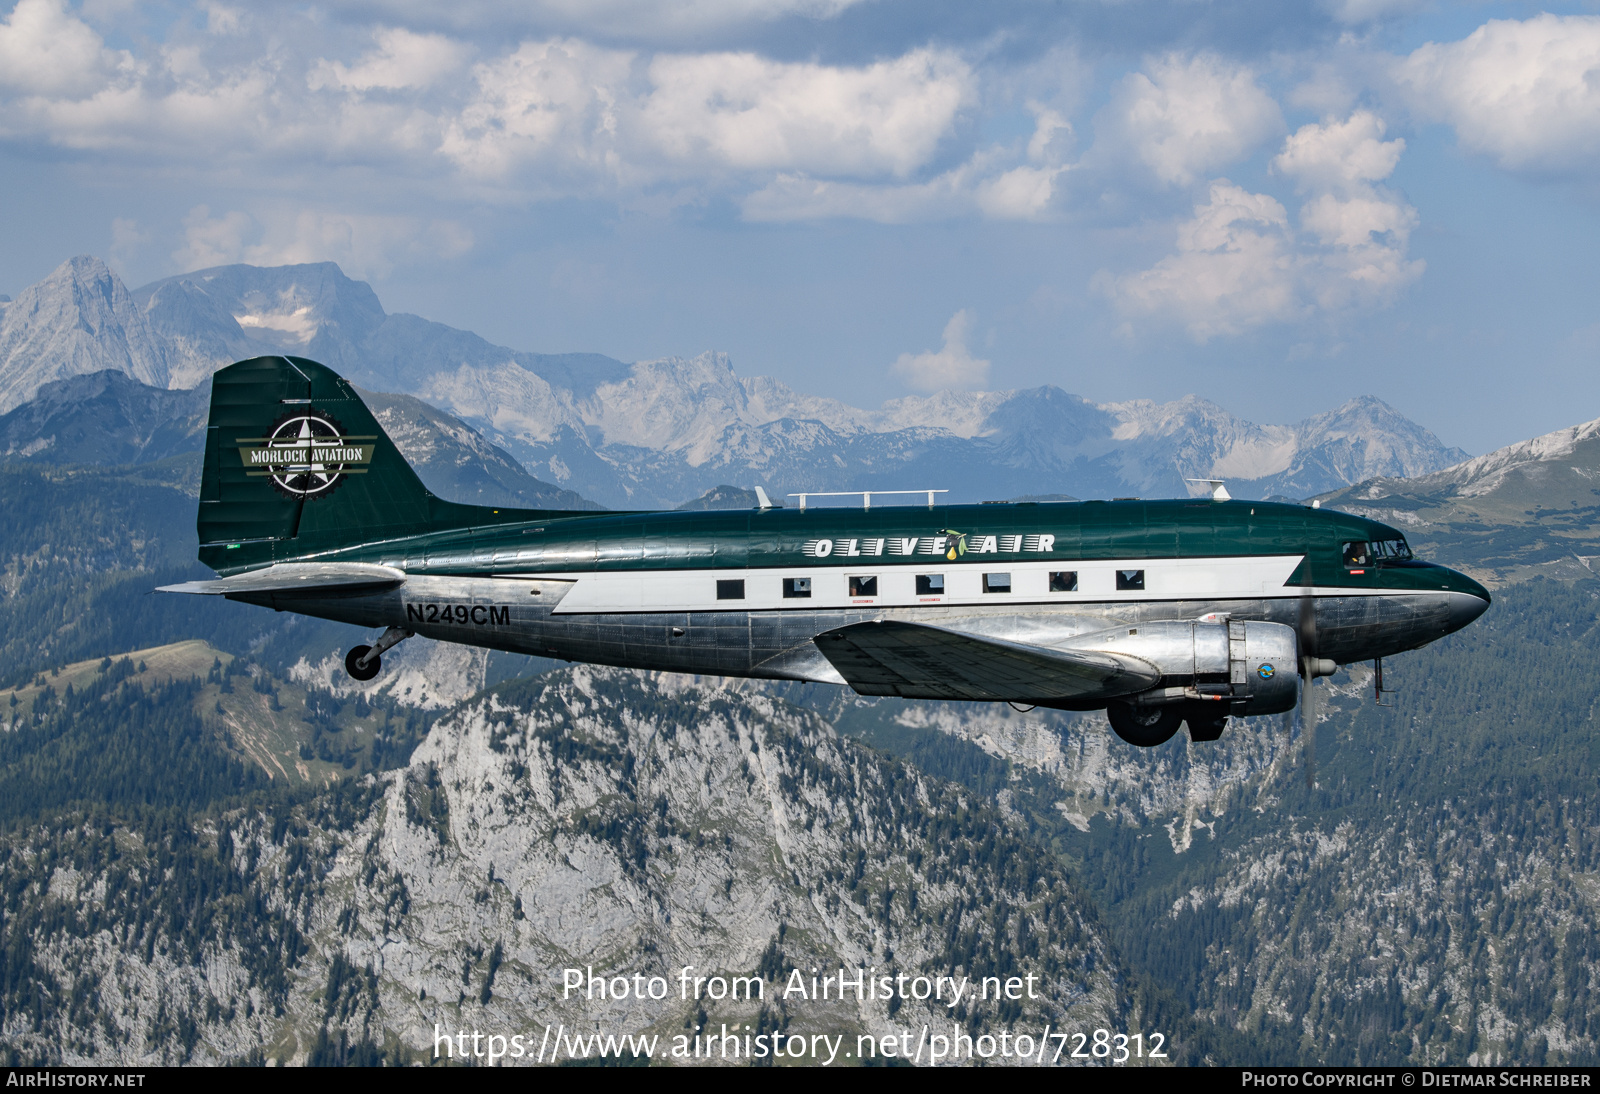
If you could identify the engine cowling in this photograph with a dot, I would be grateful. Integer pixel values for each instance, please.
(1250, 666)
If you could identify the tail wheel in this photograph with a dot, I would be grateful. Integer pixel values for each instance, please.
(358, 671)
(1144, 726)
(1206, 722)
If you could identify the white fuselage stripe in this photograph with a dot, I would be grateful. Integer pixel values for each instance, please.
(1249, 577)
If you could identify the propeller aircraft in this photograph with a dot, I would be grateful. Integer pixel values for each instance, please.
(1159, 612)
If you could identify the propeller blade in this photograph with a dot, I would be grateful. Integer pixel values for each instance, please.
(1308, 719)
(1307, 632)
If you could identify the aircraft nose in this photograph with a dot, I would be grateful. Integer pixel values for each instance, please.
(1464, 608)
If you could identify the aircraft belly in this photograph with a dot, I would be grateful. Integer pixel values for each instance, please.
(367, 608)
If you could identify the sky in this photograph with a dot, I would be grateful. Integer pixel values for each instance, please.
(1275, 205)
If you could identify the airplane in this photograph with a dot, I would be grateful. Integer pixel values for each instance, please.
(1162, 613)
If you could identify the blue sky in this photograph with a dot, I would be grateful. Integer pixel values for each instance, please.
(1275, 205)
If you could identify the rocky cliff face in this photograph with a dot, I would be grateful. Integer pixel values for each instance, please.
(592, 818)
(80, 319)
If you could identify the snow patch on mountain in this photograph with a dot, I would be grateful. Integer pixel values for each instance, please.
(1483, 474)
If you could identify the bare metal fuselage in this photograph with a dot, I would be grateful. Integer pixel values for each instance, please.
(524, 616)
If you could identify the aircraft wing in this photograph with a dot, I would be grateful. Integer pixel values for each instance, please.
(914, 661)
(293, 577)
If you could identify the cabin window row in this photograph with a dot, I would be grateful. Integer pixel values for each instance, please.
(865, 586)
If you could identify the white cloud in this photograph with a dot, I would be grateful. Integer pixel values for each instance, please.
(1340, 156)
(1525, 93)
(1022, 193)
(951, 367)
(46, 51)
(789, 140)
(364, 245)
(1052, 134)
(1239, 265)
(582, 108)
(555, 100)
(985, 183)
(402, 59)
(1363, 228)
(1234, 268)
(752, 113)
(1187, 117)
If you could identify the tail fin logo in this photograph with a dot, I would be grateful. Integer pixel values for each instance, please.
(306, 455)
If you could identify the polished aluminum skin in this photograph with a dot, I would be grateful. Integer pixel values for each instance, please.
(517, 616)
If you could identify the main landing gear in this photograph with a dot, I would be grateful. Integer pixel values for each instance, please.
(363, 662)
(1148, 726)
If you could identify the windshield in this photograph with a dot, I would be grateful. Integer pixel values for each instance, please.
(1375, 552)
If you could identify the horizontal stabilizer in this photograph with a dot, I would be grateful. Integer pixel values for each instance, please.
(293, 577)
(914, 661)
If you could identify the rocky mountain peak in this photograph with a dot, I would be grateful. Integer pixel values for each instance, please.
(79, 319)
(311, 309)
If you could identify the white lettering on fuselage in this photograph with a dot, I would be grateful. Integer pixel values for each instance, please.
(931, 545)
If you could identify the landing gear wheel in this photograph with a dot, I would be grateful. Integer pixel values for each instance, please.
(1144, 726)
(355, 669)
(1206, 722)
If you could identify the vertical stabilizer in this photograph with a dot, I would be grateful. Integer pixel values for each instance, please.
(295, 463)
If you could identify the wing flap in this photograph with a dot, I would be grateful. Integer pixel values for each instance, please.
(293, 577)
(915, 661)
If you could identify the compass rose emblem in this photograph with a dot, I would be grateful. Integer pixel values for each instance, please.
(306, 455)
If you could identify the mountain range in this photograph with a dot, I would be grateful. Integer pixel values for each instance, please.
(658, 433)
(108, 418)
(1527, 509)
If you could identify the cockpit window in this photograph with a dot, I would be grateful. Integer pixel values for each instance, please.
(1376, 552)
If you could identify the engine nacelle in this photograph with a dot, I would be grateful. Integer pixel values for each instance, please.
(1250, 667)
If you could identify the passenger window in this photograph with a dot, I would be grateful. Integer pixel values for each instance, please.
(997, 583)
(730, 590)
(1355, 554)
(930, 584)
(1063, 581)
(796, 588)
(863, 586)
(1130, 580)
